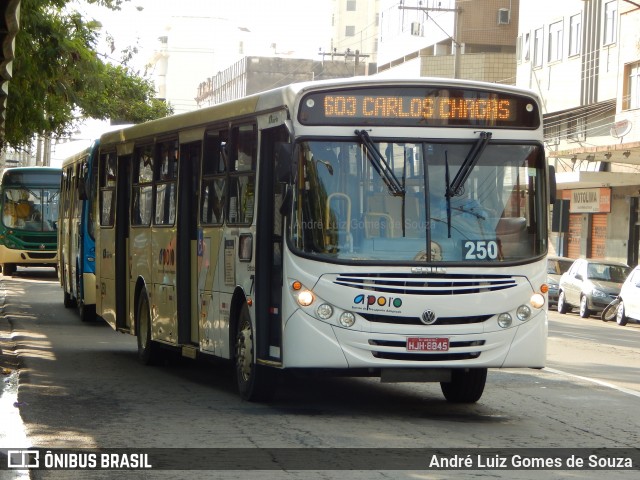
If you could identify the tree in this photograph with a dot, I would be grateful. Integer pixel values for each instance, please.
(59, 77)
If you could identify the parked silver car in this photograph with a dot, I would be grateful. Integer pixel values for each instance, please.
(556, 266)
(629, 307)
(590, 285)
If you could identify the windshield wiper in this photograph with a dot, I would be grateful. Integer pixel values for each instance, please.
(455, 188)
(380, 164)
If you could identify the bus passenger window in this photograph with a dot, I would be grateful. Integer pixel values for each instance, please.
(107, 189)
(214, 168)
(142, 201)
(212, 201)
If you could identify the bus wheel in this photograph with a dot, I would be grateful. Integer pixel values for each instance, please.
(255, 382)
(466, 386)
(8, 269)
(147, 349)
(87, 313)
(68, 300)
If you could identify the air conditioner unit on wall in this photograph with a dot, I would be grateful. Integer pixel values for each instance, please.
(504, 15)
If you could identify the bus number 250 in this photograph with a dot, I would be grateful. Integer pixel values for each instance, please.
(480, 250)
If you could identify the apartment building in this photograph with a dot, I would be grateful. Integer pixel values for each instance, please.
(583, 58)
(354, 25)
(469, 39)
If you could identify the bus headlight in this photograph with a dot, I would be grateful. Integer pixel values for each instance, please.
(347, 319)
(523, 313)
(305, 298)
(324, 311)
(504, 320)
(537, 300)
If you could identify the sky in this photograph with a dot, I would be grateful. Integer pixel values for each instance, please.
(203, 37)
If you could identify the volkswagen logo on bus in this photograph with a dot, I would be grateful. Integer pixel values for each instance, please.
(428, 317)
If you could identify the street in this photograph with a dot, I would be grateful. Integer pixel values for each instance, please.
(80, 386)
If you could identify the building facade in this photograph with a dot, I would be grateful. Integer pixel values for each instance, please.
(256, 74)
(355, 25)
(469, 39)
(583, 58)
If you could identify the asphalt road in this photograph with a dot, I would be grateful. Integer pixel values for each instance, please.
(80, 386)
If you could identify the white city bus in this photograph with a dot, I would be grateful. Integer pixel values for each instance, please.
(362, 227)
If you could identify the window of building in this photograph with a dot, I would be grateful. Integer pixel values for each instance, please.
(519, 49)
(575, 34)
(577, 129)
(610, 22)
(349, 31)
(632, 91)
(351, 5)
(526, 46)
(537, 48)
(555, 41)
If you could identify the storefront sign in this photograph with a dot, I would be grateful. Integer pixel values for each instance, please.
(591, 200)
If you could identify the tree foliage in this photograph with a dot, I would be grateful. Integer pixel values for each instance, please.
(59, 77)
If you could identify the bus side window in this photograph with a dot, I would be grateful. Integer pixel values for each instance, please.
(142, 187)
(242, 178)
(166, 179)
(107, 189)
(214, 176)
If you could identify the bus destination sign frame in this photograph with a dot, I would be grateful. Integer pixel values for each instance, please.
(413, 106)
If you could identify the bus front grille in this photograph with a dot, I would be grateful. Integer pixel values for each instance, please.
(41, 255)
(396, 320)
(426, 284)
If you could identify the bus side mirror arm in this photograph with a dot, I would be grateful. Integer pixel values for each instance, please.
(552, 184)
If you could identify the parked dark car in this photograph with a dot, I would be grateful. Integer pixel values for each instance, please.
(591, 285)
(556, 266)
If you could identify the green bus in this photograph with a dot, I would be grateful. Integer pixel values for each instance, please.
(28, 230)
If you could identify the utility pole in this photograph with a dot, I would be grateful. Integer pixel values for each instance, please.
(456, 30)
(347, 54)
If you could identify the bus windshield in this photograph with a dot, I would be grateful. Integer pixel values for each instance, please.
(346, 209)
(34, 209)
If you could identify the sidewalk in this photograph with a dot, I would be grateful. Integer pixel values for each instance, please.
(9, 361)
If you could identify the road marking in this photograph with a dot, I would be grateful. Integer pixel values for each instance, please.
(593, 380)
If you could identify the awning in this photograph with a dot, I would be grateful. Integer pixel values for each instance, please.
(581, 179)
(628, 153)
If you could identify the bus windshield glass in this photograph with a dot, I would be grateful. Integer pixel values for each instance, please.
(346, 210)
(28, 208)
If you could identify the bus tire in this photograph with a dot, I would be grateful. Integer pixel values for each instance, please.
(8, 269)
(87, 313)
(68, 300)
(466, 385)
(147, 349)
(256, 383)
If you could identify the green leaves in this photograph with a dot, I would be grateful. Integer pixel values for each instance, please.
(59, 77)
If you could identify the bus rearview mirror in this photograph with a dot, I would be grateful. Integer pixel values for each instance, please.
(283, 162)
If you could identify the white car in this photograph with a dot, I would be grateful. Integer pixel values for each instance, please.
(629, 308)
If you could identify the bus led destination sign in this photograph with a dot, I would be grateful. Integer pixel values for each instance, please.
(402, 107)
(412, 106)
